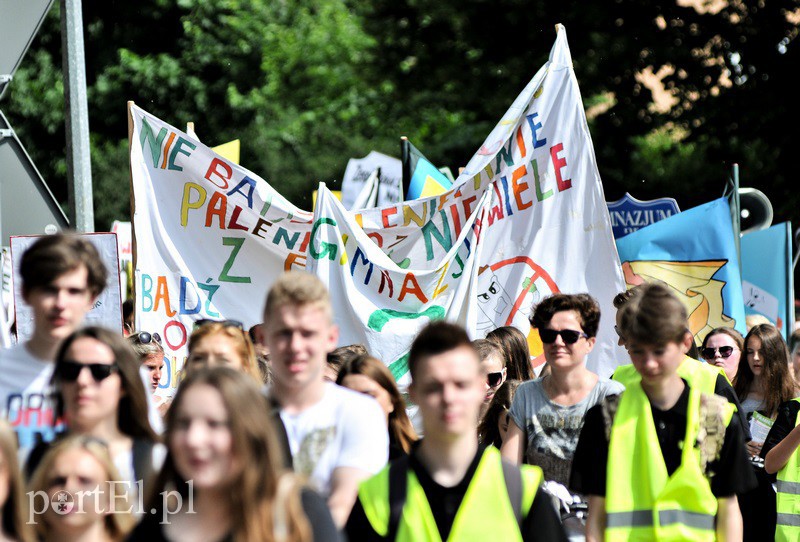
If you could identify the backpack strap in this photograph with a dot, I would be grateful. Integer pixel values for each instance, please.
(398, 486)
(513, 479)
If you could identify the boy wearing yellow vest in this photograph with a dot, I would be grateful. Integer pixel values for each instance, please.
(661, 461)
(450, 488)
(781, 455)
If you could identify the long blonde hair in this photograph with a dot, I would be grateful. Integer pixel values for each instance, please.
(14, 522)
(241, 339)
(118, 523)
(253, 498)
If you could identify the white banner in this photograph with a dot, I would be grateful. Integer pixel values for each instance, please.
(526, 218)
(358, 172)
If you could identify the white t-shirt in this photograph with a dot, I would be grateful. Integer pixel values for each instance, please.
(27, 401)
(344, 429)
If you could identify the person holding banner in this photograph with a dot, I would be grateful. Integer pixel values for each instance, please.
(665, 430)
(337, 437)
(62, 276)
(547, 413)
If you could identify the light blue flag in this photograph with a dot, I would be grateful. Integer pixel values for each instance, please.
(767, 275)
(694, 253)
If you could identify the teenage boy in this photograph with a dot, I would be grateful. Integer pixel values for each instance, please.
(337, 437)
(62, 275)
(710, 378)
(450, 488)
(661, 461)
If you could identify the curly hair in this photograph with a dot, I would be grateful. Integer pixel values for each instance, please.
(585, 305)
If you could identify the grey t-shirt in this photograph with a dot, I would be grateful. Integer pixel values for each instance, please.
(552, 430)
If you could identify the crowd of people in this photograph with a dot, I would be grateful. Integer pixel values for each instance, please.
(277, 432)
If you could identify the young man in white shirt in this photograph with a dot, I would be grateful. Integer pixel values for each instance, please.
(62, 275)
(337, 437)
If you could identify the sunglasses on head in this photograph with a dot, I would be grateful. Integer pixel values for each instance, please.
(569, 336)
(68, 371)
(724, 351)
(494, 379)
(224, 323)
(145, 337)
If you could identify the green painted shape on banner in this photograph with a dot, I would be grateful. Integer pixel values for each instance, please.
(381, 317)
(399, 367)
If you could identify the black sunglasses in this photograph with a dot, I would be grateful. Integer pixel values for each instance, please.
(494, 379)
(570, 336)
(225, 323)
(68, 371)
(145, 337)
(724, 351)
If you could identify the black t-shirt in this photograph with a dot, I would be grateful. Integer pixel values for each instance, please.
(724, 389)
(784, 423)
(541, 522)
(733, 473)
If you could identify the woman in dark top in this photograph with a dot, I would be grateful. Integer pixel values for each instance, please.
(515, 351)
(369, 376)
(223, 455)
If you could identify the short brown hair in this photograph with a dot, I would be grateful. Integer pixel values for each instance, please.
(54, 255)
(585, 305)
(486, 348)
(298, 289)
(654, 316)
(344, 354)
(436, 338)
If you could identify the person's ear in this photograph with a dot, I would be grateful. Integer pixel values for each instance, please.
(688, 340)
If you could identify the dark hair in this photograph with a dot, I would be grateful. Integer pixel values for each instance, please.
(499, 405)
(623, 297)
(585, 305)
(778, 384)
(54, 255)
(654, 316)
(730, 332)
(436, 338)
(343, 354)
(794, 340)
(132, 411)
(399, 425)
(515, 350)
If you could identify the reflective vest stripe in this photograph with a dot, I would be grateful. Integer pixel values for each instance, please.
(792, 488)
(644, 518)
(695, 520)
(792, 520)
(636, 518)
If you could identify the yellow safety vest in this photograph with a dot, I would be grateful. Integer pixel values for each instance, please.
(698, 374)
(643, 502)
(788, 499)
(485, 513)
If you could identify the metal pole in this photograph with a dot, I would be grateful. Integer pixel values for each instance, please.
(79, 166)
(737, 221)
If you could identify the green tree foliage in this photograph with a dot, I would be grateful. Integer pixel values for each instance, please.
(308, 84)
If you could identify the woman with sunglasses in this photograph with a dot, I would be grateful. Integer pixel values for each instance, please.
(494, 425)
(73, 487)
(100, 394)
(370, 376)
(223, 456)
(547, 413)
(151, 354)
(515, 350)
(723, 347)
(222, 343)
(493, 363)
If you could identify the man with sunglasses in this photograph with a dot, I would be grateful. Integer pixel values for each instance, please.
(450, 487)
(62, 276)
(547, 413)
